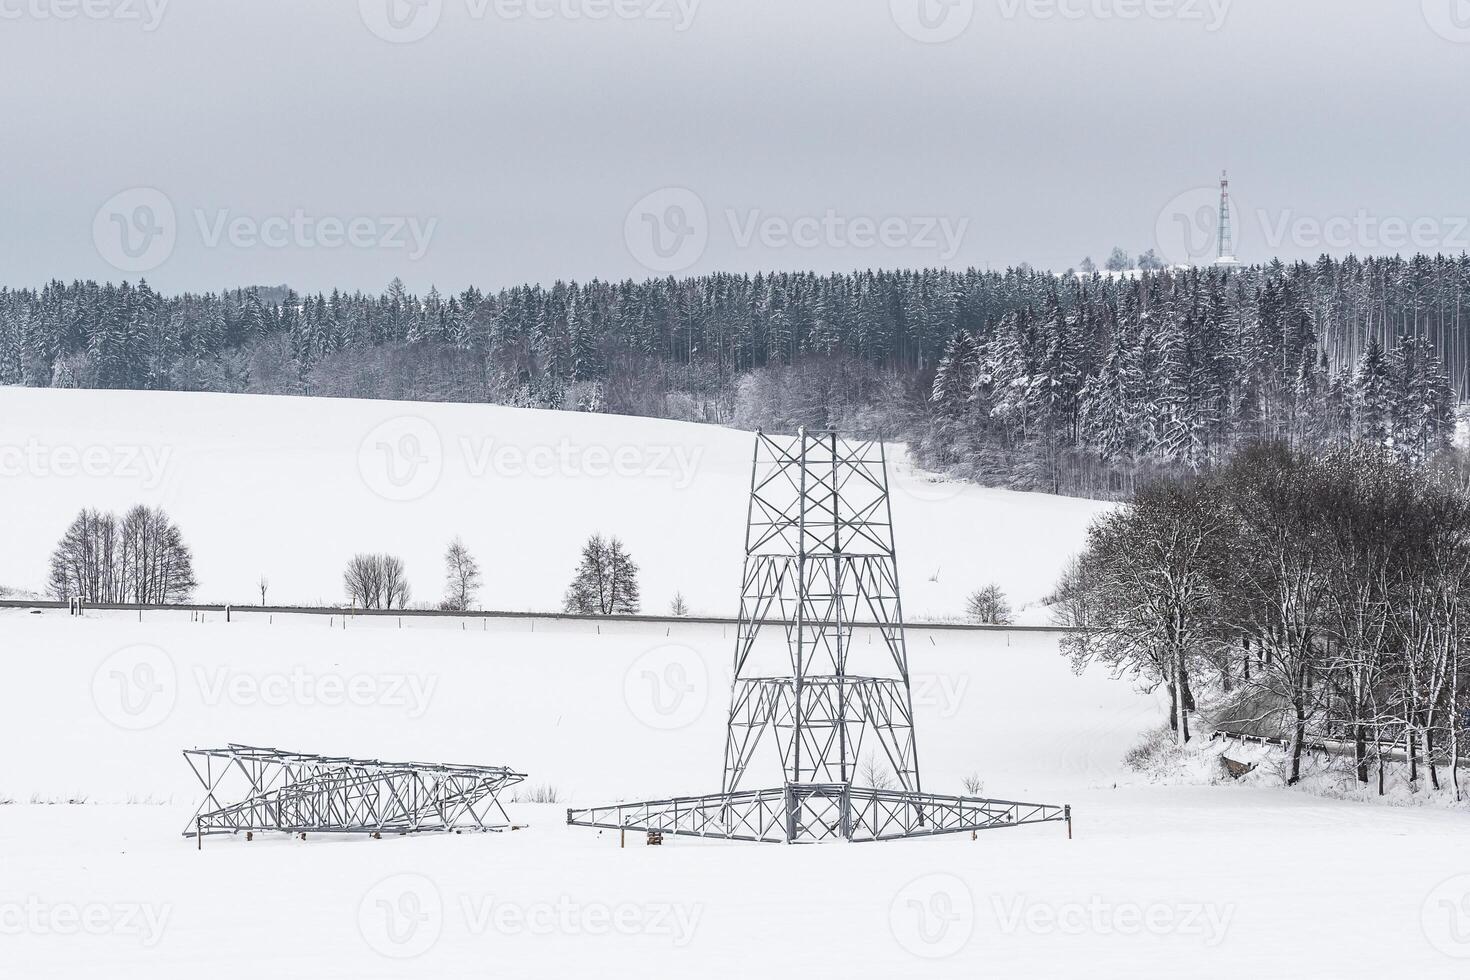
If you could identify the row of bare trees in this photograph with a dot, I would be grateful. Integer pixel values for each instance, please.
(605, 584)
(1312, 599)
(139, 557)
(379, 581)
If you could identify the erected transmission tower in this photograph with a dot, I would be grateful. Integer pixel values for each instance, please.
(1225, 239)
(821, 571)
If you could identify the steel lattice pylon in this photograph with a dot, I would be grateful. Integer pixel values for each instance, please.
(820, 565)
(257, 789)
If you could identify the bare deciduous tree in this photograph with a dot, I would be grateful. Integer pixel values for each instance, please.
(1322, 600)
(875, 773)
(606, 583)
(141, 558)
(462, 577)
(376, 581)
(989, 607)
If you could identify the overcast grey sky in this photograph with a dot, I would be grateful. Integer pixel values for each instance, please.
(208, 143)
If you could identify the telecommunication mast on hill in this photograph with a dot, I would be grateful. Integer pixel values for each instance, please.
(1225, 238)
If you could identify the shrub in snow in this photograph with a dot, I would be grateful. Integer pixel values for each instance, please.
(990, 607)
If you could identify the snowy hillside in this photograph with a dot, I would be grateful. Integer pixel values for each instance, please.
(95, 710)
(291, 488)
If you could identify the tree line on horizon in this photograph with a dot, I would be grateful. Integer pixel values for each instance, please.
(1076, 383)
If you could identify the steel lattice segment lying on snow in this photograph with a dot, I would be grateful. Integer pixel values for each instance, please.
(248, 788)
(816, 812)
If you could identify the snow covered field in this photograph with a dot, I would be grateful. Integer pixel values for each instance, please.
(1160, 881)
(291, 488)
(1213, 880)
(1226, 880)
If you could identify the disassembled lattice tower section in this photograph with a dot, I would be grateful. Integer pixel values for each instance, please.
(254, 789)
(820, 568)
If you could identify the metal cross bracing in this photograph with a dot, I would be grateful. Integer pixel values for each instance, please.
(262, 789)
(820, 561)
(821, 569)
(813, 812)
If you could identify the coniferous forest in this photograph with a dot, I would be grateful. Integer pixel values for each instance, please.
(1026, 379)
